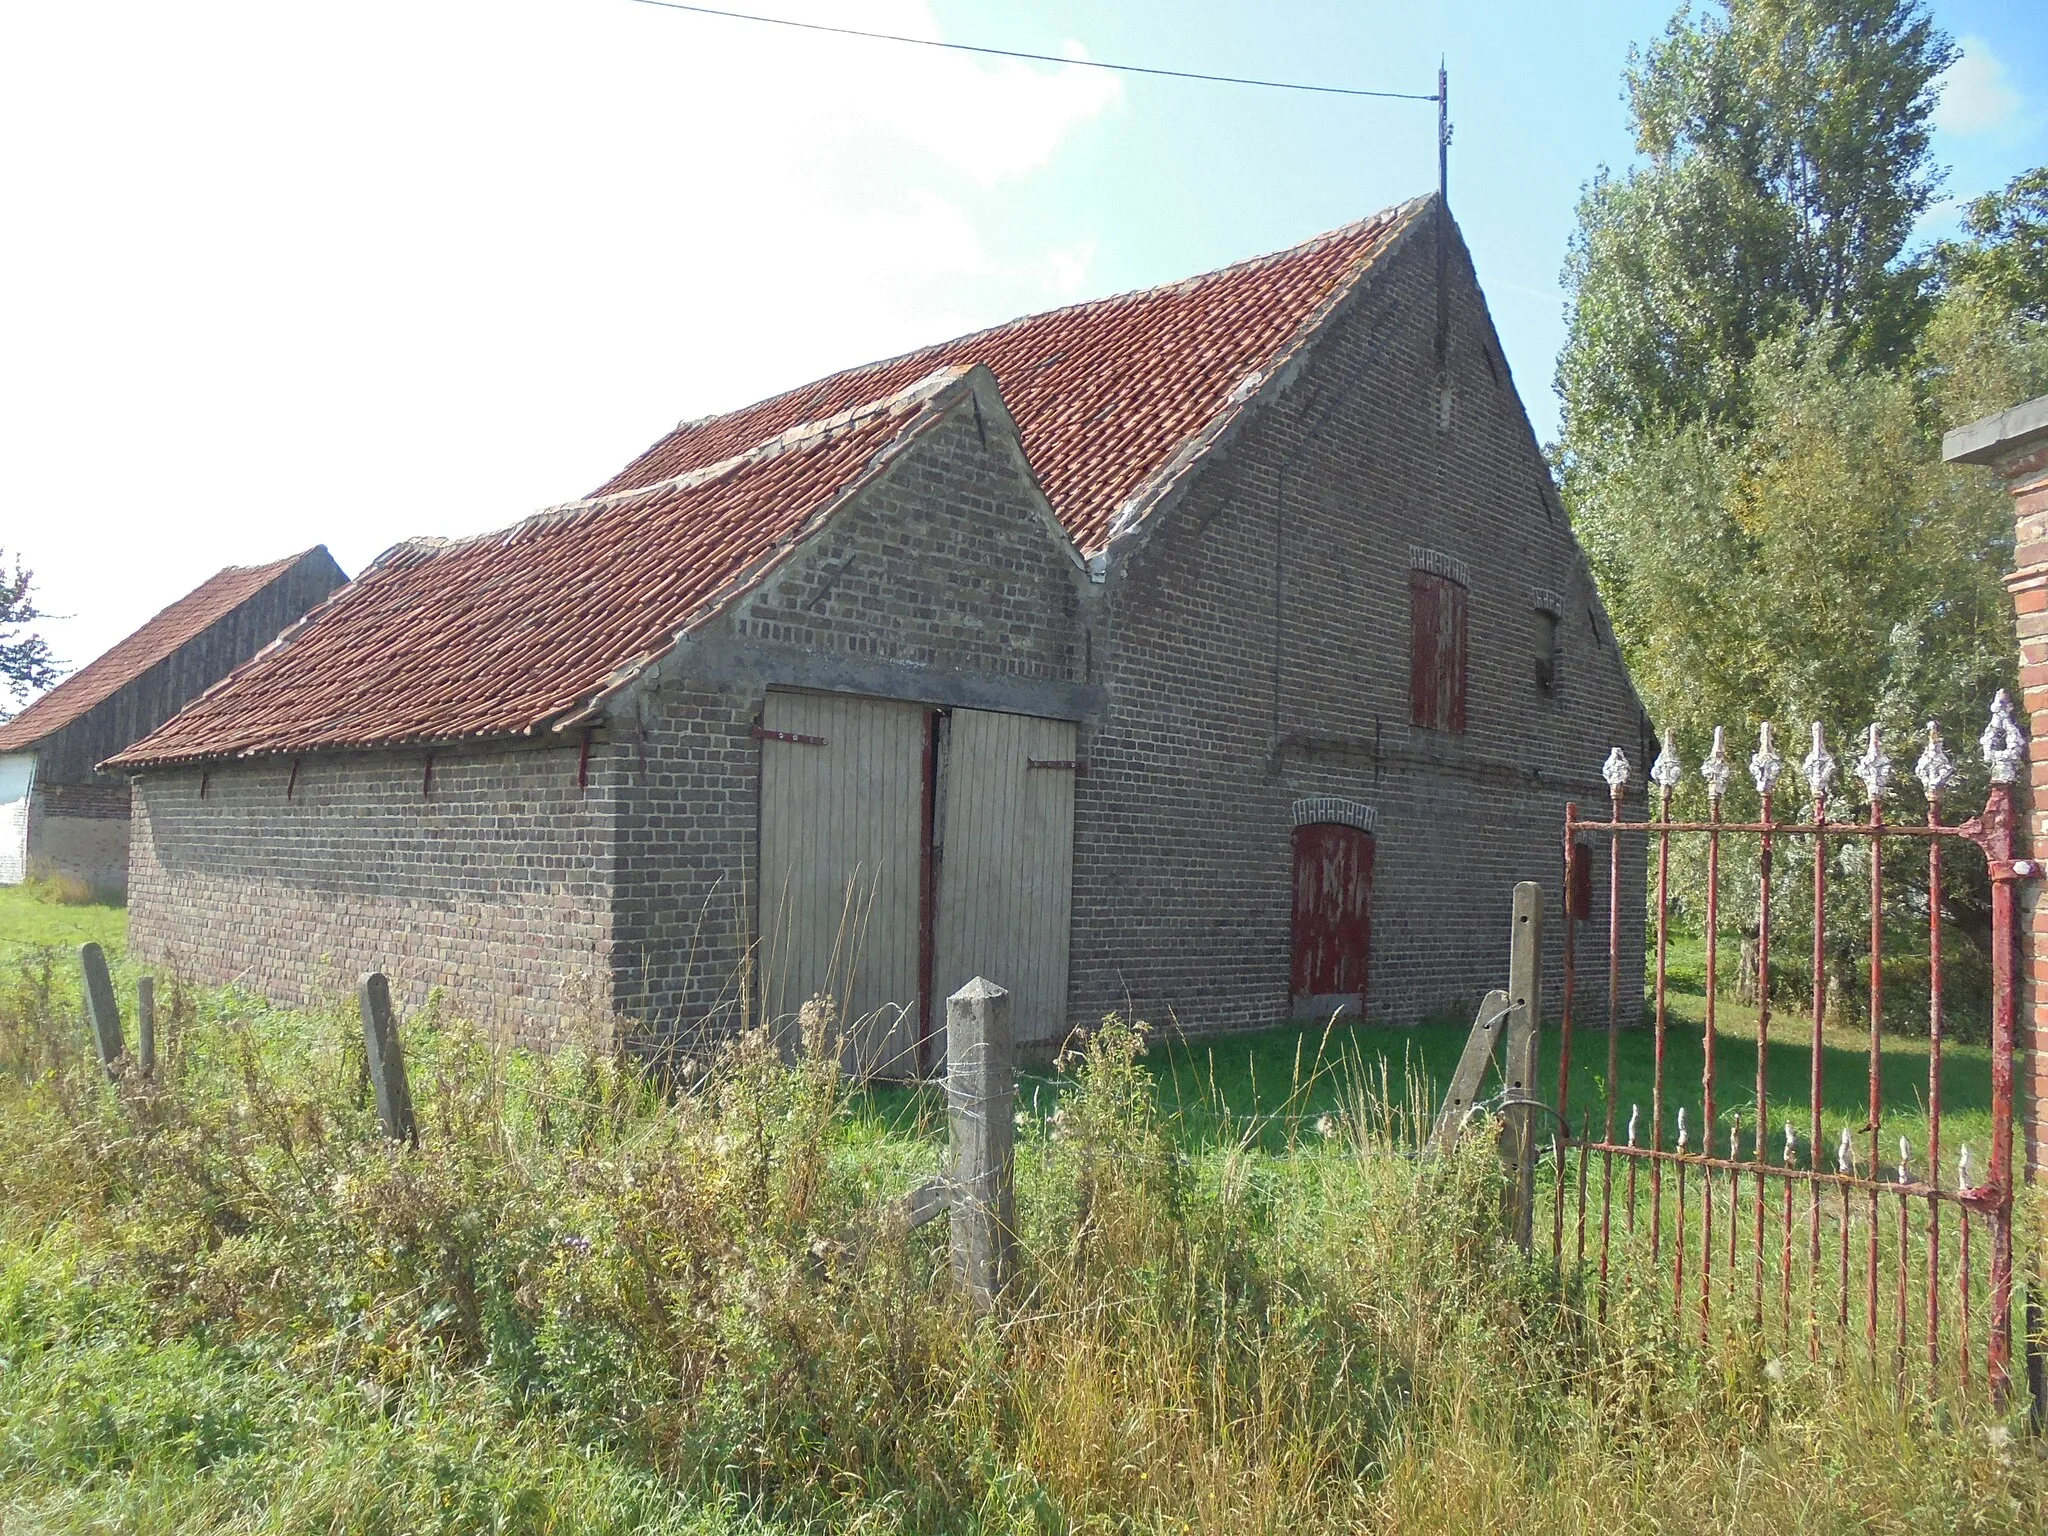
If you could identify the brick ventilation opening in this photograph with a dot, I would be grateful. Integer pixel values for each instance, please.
(1436, 676)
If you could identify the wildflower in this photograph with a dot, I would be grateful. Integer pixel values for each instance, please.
(1324, 1125)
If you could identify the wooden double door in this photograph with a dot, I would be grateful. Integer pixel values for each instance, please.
(905, 850)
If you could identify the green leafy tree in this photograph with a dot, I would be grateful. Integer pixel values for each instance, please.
(2005, 257)
(25, 660)
(1785, 149)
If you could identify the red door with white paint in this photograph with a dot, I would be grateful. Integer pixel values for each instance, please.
(1332, 918)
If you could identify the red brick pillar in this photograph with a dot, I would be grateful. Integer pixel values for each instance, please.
(2015, 444)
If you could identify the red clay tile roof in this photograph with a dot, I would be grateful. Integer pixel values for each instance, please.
(507, 633)
(515, 631)
(1105, 394)
(190, 616)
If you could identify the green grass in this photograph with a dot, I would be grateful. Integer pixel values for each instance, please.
(227, 1305)
(29, 920)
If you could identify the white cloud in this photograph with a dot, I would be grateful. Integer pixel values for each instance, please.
(279, 275)
(1975, 97)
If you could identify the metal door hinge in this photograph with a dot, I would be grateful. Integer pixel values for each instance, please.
(762, 733)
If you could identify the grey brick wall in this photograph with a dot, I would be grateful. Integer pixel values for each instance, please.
(492, 883)
(1258, 652)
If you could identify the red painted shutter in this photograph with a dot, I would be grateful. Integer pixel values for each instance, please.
(1436, 656)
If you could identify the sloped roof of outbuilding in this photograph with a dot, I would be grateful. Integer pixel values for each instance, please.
(522, 630)
(1109, 395)
(186, 619)
(510, 632)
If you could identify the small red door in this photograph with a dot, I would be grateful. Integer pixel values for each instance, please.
(1332, 918)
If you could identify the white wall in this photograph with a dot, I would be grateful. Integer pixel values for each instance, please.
(17, 779)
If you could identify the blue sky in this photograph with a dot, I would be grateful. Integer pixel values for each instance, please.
(283, 274)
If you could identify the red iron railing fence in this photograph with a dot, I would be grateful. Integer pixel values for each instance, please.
(1901, 1241)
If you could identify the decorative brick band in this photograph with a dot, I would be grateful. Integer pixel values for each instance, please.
(1332, 808)
(1437, 563)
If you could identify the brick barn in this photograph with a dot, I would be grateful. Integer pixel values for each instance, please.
(59, 814)
(1218, 652)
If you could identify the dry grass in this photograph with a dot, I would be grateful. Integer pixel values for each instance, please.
(227, 1305)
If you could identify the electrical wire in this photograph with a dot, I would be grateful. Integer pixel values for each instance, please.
(1036, 58)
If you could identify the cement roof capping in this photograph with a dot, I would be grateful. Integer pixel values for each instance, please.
(1992, 438)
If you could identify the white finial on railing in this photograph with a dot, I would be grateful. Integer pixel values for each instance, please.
(1734, 1138)
(1615, 770)
(1791, 1144)
(1633, 1111)
(1666, 771)
(1905, 1160)
(1819, 767)
(1963, 1168)
(1716, 770)
(1873, 767)
(2005, 748)
(1935, 767)
(1845, 1155)
(1765, 764)
(1681, 1127)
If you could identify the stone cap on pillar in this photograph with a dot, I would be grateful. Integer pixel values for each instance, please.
(2002, 439)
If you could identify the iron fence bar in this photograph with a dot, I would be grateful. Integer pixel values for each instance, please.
(1963, 1287)
(1613, 958)
(1657, 1070)
(1763, 1027)
(1708, 1117)
(1557, 1207)
(1820, 909)
(1571, 978)
(1935, 1023)
(1876, 1116)
(1998, 823)
(1585, 1127)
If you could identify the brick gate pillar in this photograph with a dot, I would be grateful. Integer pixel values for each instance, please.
(2015, 444)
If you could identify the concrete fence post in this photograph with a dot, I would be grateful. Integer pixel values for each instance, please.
(386, 1060)
(1525, 999)
(981, 1092)
(101, 1009)
(145, 1024)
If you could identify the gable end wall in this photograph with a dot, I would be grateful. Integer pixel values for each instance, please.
(1257, 653)
(945, 573)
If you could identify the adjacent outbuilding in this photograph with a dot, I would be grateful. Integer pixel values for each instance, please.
(60, 815)
(1218, 652)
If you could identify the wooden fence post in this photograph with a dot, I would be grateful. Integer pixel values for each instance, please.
(981, 1092)
(145, 1024)
(1494, 1010)
(1525, 998)
(386, 1059)
(101, 1009)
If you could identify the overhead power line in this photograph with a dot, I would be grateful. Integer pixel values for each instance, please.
(1035, 58)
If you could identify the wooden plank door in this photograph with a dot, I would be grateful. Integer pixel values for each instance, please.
(1332, 919)
(842, 835)
(1005, 868)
